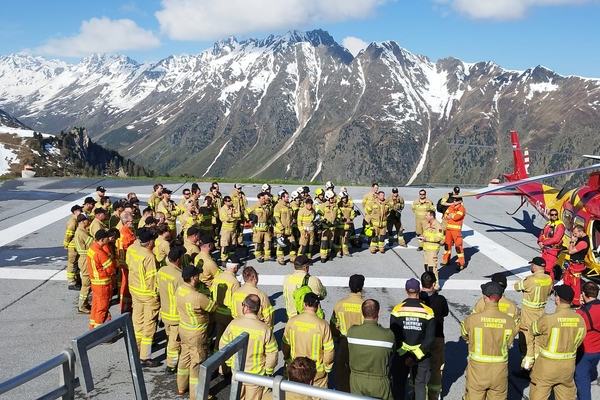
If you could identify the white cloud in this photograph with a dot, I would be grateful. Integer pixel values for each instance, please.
(503, 9)
(354, 45)
(101, 35)
(215, 19)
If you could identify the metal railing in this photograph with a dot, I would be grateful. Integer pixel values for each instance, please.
(66, 380)
(75, 361)
(238, 346)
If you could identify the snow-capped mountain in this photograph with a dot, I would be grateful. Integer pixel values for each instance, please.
(300, 106)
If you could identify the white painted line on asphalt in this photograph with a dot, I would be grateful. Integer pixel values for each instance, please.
(265, 280)
(36, 223)
(498, 254)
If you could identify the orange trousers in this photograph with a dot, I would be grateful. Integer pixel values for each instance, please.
(454, 237)
(124, 294)
(101, 296)
(572, 278)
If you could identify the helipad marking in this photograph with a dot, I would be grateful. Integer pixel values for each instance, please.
(265, 280)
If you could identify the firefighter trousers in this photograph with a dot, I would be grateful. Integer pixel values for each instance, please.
(145, 318)
(548, 374)
(262, 243)
(454, 237)
(86, 284)
(194, 351)
(572, 278)
(72, 266)
(124, 294)
(101, 296)
(173, 345)
(486, 381)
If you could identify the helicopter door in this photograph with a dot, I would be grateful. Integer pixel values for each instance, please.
(595, 238)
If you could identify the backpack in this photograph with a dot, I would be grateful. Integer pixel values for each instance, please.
(442, 208)
(299, 294)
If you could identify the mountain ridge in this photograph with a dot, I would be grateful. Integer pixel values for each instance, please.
(300, 106)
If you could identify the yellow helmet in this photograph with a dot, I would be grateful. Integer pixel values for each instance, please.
(319, 191)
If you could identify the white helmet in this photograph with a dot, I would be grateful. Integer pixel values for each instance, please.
(266, 187)
(329, 184)
(281, 193)
(294, 195)
(342, 195)
(300, 190)
(329, 194)
(343, 189)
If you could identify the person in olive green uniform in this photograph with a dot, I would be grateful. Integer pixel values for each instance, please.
(536, 289)
(370, 348)
(489, 334)
(346, 313)
(560, 334)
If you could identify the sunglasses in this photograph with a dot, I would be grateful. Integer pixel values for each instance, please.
(554, 215)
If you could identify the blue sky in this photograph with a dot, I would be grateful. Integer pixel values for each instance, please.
(562, 35)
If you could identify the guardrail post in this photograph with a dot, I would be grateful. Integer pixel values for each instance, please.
(67, 375)
(278, 394)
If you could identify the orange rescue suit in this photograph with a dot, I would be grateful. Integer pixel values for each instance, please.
(454, 216)
(101, 267)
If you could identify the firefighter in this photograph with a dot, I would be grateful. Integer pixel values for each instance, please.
(262, 220)
(262, 351)
(438, 303)
(240, 203)
(101, 268)
(283, 227)
(346, 313)
(83, 241)
(432, 239)
(295, 206)
(187, 194)
(291, 282)
(73, 277)
(169, 280)
(306, 225)
(489, 335)
(396, 205)
(169, 208)
(536, 289)
(329, 217)
(142, 285)
(454, 217)
(376, 215)
(420, 208)
(506, 305)
(188, 216)
(191, 244)
(413, 324)
(115, 217)
(353, 238)
(578, 249)
(205, 216)
(229, 216)
(194, 309)
(266, 310)
(210, 269)
(550, 241)
(155, 197)
(307, 335)
(161, 244)
(560, 334)
(370, 348)
(222, 289)
(126, 239)
(98, 222)
(367, 199)
(345, 228)
(217, 203)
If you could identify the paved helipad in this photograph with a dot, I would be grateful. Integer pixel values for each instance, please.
(38, 314)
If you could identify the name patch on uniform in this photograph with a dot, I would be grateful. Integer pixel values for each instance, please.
(493, 322)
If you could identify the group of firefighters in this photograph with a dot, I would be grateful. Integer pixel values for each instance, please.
(116, 248)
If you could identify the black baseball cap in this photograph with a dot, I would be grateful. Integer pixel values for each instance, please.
(189, 271)
(89, 200)
(75, 208)
(500, 279)
(82, 217)
(564, 292)
(100, 189)
(492, 290)
(101, 234)
(539, 261)
(146, 235)
(176, 252)
(302, 260)
(100, 210)
(206, 239)
(193, 230)
(150, 220)
(167, 191)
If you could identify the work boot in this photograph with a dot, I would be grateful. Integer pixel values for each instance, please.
(460, 267)
(282, 262)
(149, 363)
(340, 255)
(75, 286)
(83, 310)
(260, 260)
(171, 370)
(323, 260)
(273, 258)
(382, 250)
(420, 248)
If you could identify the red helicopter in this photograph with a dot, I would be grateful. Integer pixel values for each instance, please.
(578, 206)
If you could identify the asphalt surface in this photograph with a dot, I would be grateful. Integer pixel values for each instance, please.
(38, 315)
